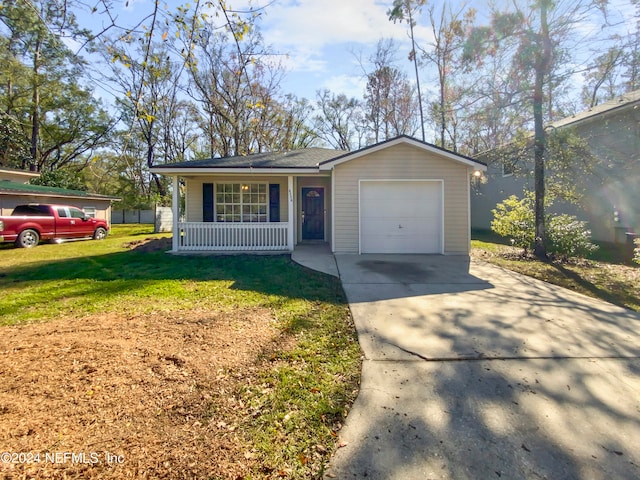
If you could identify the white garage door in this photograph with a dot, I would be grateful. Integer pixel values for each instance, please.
(401, 217)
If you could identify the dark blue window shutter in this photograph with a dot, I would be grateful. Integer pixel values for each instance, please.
(274, 202)
(207, 202)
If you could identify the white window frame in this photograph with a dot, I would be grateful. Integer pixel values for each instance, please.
(90, 211)
(247, 209)
(511, 164)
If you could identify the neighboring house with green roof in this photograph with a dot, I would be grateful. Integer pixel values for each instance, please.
(15, 189)
(611, 200)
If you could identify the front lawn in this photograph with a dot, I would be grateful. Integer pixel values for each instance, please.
(170, 366)
(608, 274)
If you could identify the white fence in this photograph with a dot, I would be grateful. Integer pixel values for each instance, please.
(205, 236)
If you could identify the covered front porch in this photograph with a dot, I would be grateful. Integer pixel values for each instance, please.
(251, 213)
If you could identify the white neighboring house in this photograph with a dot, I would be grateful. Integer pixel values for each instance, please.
(398, 196)
(16, 190)
(611, 205)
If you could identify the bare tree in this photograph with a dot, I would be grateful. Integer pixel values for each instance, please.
(390, 102)
(339, 122)
(149, 84)
(449, 28)
(405, 10)
(602, 76)
(236, 91)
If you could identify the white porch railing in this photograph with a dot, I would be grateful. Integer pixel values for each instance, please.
(239, 237)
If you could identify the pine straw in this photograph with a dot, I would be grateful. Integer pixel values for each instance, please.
(155, 390)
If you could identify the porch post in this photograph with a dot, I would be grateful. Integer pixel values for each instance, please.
(175, 208)
(290, 228)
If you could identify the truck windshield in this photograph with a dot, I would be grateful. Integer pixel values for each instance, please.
(31, 211)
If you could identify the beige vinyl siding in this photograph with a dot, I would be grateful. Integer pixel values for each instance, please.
(194, 193)
(402, 162)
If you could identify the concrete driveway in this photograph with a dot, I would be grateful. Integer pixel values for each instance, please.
(475, 372)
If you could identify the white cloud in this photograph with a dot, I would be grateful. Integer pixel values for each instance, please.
(306, 28)
(317, 41)
(314, 23)
(300, 60)
(350, 85)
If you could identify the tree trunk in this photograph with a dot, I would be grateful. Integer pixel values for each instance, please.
(415, 64)
(35, 107)
(540, 249)
(541, 69)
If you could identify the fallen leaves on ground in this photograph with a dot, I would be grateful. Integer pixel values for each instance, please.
(144, 397)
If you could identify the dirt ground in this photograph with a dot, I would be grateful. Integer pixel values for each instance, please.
(144, 397)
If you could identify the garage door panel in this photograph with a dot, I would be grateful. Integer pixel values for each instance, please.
(401, 217)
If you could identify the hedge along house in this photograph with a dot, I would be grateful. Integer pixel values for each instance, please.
(15, 190)
(397, 196)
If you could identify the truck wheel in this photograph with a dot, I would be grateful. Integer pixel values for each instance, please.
(100, 234)
(27, 239)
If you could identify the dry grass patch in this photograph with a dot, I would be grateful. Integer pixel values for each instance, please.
(158, 390)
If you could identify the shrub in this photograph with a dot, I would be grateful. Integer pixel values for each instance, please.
(566, 235)
(636, 252)
(515, 219)
(569, 237)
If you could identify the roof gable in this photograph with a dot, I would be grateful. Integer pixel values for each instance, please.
(403, 139)
(309, 160)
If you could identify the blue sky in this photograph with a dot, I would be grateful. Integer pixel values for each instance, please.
(325, 38)
(320, 40)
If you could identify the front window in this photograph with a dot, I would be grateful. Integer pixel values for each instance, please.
(241, 202)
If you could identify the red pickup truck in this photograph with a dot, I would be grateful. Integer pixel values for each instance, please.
(29, 224)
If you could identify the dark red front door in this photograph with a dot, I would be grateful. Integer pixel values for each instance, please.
(313, 213)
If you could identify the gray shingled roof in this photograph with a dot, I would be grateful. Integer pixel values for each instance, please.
(305, 158)
(624, 100)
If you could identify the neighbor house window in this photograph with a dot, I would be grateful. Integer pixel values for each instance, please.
(89, 211)
(241, 202)
(508, 167)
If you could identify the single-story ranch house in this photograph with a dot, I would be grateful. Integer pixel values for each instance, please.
(398, 196)
(15, 189)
